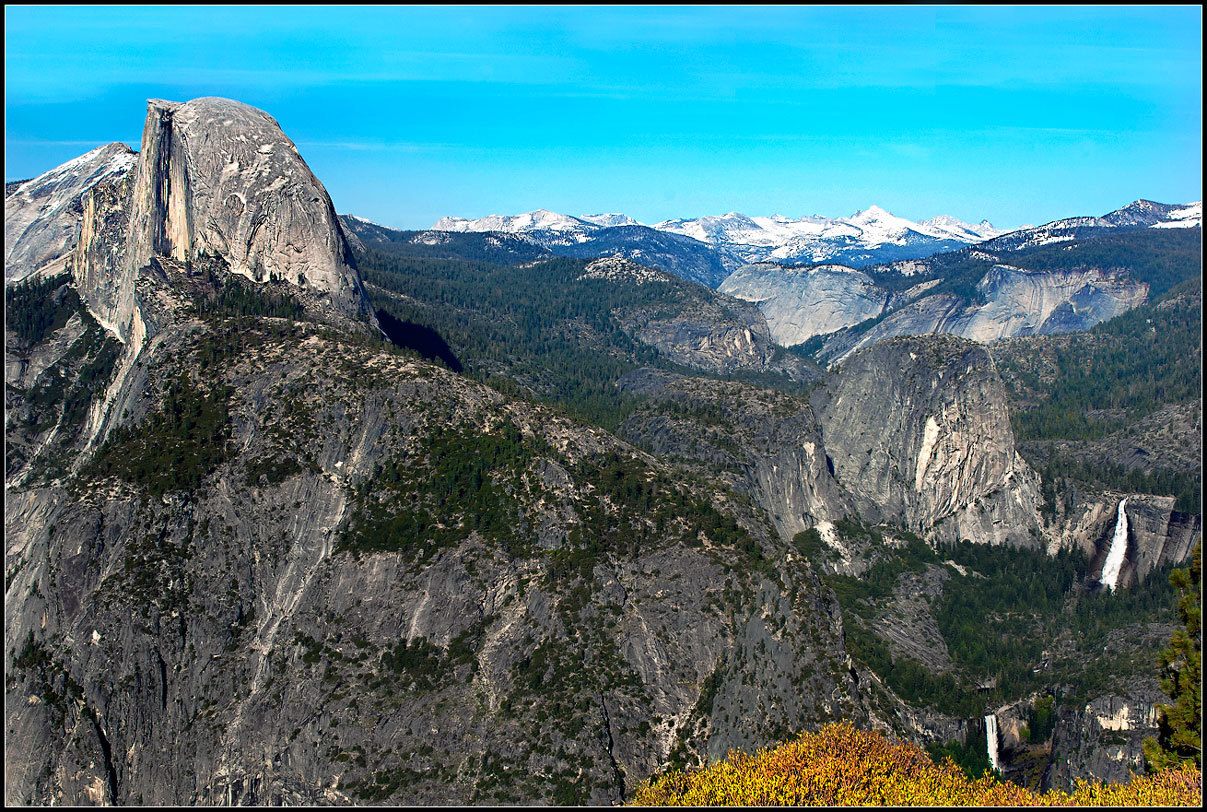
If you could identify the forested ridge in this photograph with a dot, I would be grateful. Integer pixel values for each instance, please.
(1085, 386)
(541, 329)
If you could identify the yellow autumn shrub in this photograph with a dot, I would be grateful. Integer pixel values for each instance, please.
(839, 765)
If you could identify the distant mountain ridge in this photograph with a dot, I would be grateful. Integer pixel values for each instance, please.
(1140, 213)
(1061, 277)
(544, 234)
(869, 236)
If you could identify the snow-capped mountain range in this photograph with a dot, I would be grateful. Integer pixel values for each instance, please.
(1137, 214)
(784, 238)
(868, 236)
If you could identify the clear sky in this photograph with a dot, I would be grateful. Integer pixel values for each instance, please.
(1015, 115)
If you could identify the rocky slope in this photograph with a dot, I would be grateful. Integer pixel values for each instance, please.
(800, 303)
(264, 635)
(304, 567)
(701, 329)
(912, 432)
(1016, 303)
(1014, 285)
(219, 177)
(761, 443)
(43, 216)
(255, 554)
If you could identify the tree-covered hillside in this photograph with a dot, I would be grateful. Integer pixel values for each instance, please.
(1162, 258)
(1079, 398)
(542, 329)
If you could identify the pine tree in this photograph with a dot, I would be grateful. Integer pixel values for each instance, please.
(1181, 677)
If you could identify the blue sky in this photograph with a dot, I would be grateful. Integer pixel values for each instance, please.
(1016, 115)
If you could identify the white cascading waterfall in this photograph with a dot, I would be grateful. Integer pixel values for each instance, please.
(1114, 557)
(991, 740)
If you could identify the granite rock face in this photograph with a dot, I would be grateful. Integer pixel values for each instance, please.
(1105, 737)
(831, 300)
(1021, 302)
(1157, 535)
(919, 433)
(218, 177)
(706, 330)
(800, 303)
(225, 644)
(43, 216)
(214, 179)
(759, 442)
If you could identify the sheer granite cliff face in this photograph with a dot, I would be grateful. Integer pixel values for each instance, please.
(831, 300)
(43, 217)
(1157, 535)
(218, 177)
(214, 179)
(757, 441)
(800, 303)
(217, 184)
(919, 433)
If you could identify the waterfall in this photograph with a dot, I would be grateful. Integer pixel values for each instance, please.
(991, 740)
(1114, 558)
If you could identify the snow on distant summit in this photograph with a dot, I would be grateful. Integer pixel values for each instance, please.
(610, 220)
(43, 216)
(1189, 216)
(868, 236)
(1137, 214)
(539, 220)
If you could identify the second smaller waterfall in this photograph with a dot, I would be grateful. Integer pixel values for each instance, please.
(1114, 557)
(991, 740)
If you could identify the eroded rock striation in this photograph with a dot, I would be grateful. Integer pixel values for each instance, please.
(838, 302)
(703, 329)
(919, 432)
(1158, 536)
(216, 176)
(43, 216)
(800, 303)
(260, 638)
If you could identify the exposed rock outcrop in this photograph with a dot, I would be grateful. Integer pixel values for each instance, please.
(219, 177)
(919, 433)
(215, 178)
(223, 643)
(702, 329)
(1017, 303)
(1104, 737)
(43, 216)
(1157, 535)
(759, 442)
(800, 303)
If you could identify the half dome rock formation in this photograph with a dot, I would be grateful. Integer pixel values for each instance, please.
(42, 216)
(216, 180)
(219, 177)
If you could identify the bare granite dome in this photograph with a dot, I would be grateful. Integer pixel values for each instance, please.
(220, 177)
